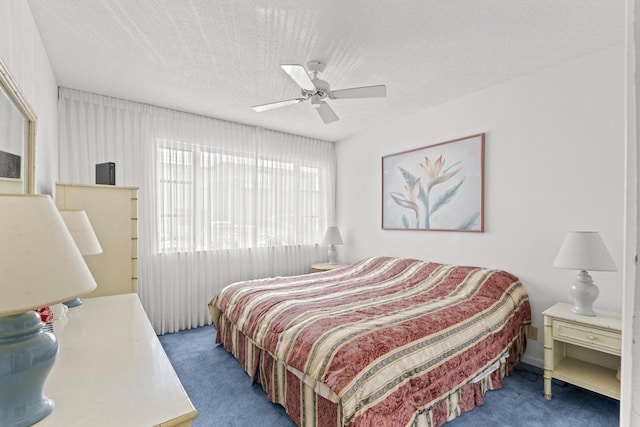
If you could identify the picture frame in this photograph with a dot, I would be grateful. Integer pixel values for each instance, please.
(439, 187)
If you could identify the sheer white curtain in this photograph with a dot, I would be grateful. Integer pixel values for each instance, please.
(219, 201)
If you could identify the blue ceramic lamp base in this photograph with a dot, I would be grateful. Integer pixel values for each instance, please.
(27, 355)
(73, 303)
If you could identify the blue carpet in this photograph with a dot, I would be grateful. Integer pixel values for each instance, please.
(223, 395)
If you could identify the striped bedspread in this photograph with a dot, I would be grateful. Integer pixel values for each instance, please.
(384, 338)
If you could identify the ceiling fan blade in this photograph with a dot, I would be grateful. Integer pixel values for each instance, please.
(326, 113)
(299, 75)
(265, 107)
(378, 91)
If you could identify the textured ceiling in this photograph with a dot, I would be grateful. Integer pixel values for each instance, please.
(218, 58)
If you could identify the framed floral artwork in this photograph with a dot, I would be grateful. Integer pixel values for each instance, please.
(439, 187)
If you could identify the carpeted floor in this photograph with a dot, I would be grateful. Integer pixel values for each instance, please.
(223, 395)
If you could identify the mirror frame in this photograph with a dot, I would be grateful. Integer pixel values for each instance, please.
(11, 88)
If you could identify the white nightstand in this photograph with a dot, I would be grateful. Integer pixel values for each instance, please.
(325, 266)
(582, 350)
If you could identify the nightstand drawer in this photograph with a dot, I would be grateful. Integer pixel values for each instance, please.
(586, 336)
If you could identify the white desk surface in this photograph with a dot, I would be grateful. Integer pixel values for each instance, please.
(111, 370)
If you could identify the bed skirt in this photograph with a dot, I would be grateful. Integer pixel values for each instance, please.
(309, 407)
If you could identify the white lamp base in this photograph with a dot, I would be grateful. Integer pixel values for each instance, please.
(333, 254)
(584, 293)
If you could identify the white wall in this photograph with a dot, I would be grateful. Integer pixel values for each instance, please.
(554, 162)
(23, 52)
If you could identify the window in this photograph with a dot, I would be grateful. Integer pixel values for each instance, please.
(212, 199)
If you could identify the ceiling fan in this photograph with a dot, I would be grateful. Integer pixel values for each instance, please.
(318, 90)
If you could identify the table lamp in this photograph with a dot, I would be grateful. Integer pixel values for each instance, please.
(584, 250)
(79, 226)
(332, 237)
(40, 265)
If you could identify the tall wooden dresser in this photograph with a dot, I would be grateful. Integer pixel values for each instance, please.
(113, 212)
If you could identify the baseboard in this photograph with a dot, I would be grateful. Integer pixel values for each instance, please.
(533, 361)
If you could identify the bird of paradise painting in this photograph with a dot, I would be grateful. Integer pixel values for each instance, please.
(438, 187)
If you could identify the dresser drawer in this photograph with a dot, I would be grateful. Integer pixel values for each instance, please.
(587, 336)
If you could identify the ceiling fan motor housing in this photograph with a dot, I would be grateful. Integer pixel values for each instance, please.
(314, 68)
(322, 89)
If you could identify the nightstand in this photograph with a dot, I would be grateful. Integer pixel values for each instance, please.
(582, 350)
(325, 266)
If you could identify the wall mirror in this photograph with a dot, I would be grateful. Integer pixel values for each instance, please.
(17, 137)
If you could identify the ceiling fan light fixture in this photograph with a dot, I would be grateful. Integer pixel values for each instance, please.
(315, 101)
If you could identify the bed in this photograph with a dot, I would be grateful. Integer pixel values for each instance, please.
(382, 342)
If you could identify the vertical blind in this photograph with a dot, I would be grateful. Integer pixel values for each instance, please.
(219, 201)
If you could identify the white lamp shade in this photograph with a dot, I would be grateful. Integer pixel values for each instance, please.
(80, 228)
(332, 236)
(584, 250)
(40, 264)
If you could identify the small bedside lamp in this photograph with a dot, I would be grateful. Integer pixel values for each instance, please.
(584, 250)
(332, 237)
(79, 226)
(40, 265)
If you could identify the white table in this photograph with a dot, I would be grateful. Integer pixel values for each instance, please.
(111, 370)
(325, 266)
(582, 350)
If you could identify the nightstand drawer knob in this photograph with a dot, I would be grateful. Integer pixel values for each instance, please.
(592, 338)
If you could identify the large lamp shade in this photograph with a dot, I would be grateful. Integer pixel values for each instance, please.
(81, 231)
(584, 250)
(40, 263)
